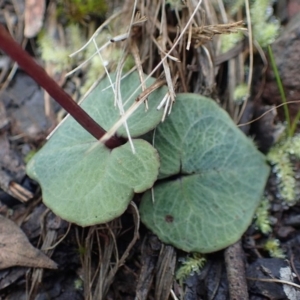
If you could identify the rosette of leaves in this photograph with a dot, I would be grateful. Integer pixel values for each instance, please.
(210, 176)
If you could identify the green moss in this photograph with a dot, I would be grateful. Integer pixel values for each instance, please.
(78, 284)
(265, 27)
(262, 218)
(228, 41)
(60, 57)
(280, 157)
(189, 265)
(75, 37)
(241, 93)
(61, 61)
(273, 247)
(79, 10)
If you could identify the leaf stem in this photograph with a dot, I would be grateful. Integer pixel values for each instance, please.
(26, 62)
(281, 91)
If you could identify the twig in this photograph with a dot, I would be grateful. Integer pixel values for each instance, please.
(268, 111)
(236, 272)
(275, 280)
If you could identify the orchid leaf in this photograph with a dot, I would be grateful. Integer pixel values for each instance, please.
(84, 182)
(88, 187)
(213, 178)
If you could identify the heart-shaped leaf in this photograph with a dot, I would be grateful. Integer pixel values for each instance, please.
(87, 186)
(213, 178)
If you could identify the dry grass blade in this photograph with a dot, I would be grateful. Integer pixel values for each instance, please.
(204, 34)
(127, 114)
(135, 53)
(98, 238)
(100, 256)
(251, 57)
(121, 261)
(143, 96)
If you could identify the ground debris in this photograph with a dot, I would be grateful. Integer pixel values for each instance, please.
(34, 15)
(15, 249)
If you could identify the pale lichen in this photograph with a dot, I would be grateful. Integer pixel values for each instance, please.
(262, 217)
(241, 93)
(273, 247)
(280, 157)
(265, 26)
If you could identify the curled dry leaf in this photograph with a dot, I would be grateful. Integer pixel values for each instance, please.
(15, 249)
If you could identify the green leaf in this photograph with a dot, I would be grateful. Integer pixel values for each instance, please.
(213, 178)
(100, 105)
(89, 187)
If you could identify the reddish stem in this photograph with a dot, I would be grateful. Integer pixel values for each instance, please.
(25, 61)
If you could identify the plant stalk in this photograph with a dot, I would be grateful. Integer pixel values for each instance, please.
(26, 62)
(281, 91)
